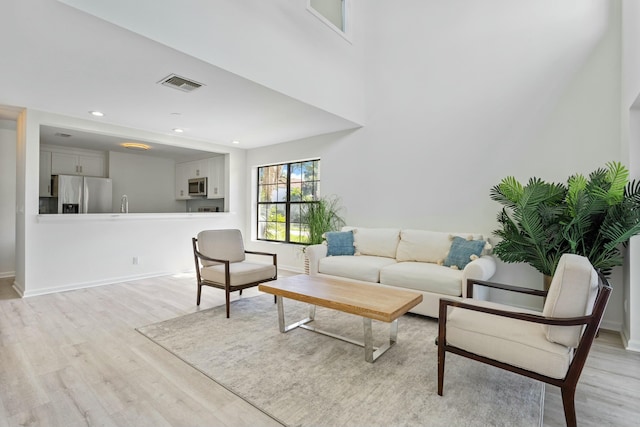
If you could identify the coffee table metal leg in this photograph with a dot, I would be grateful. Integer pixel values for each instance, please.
(287, 328)
(371, 354)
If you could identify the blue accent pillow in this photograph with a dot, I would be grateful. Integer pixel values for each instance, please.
(461, 251)
(339, 243)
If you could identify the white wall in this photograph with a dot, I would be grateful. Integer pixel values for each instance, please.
(276, 43)
(148, 182)
(459, 95)
(630, 128)
(57, 253)
(7, 197)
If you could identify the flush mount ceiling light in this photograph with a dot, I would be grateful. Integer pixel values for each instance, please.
(97, 113)
(178, 130)
(135, 146)
(235, 142)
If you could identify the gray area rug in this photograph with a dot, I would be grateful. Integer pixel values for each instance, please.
(302, 378)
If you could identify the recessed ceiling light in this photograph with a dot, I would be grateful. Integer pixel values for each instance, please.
(135, 146)
(178, 130)
(235, 142)
(96, 113)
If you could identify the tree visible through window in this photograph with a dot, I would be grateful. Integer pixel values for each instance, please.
(283, 190)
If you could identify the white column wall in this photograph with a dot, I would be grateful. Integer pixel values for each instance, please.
(7, 197)
(630, 125)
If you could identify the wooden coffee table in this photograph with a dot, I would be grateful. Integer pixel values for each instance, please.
(368, 301)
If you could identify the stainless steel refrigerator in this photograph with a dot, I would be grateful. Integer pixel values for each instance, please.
(78, 194)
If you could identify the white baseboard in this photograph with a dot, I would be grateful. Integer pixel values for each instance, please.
(611, 326)
(5, 274)
(74, 286)
(629, 344)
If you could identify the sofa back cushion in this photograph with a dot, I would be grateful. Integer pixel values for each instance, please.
(429, 246)
(423, 246)
(375, 241)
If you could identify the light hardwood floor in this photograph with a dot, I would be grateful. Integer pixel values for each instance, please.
(74, 359)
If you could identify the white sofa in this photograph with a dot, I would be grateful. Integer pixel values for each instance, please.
(420, 260)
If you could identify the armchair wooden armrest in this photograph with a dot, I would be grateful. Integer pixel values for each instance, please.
(273, 256)
(556, 321)
(502, 286)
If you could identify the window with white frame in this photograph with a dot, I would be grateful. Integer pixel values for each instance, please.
(283, 191)
(333, 13)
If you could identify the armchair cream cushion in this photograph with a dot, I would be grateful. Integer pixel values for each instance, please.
(239, 272)
(572, 293)
(221, 244)
(516, 342)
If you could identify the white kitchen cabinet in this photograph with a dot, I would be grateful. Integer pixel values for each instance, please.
(182, 181)
(212, 169)
(197, 168)
(215, 181)
(45, 173)
(77, 164)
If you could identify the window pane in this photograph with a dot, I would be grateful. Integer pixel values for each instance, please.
(267, 193)
(309, 191)
(282, 174)
(296, 172)
(296, 192)
(332, 10)
(281, 195)
(308, 171)
(262, 212)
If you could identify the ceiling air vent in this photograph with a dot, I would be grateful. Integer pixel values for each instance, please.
(180, 83)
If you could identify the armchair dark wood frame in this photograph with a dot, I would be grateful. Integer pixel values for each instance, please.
(569, 382)
(228, 288)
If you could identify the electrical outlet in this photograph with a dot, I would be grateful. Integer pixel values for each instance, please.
(136, 261)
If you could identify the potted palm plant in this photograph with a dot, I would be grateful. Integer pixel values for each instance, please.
(590, 216)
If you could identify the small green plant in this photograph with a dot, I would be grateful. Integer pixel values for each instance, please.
(322, 216)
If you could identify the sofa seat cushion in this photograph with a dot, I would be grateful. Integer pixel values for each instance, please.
(516, 342)
(363, 267)
(423, 276)
(241, 272)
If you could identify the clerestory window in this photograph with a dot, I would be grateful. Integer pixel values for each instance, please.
(334, 13)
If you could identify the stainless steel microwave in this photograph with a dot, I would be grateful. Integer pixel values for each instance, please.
(198, 187)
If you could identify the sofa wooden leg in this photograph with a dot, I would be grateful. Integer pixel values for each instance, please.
(228, 299)
(199, 293)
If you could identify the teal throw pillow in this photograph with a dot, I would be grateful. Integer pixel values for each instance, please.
(339, 243)
(461, 251)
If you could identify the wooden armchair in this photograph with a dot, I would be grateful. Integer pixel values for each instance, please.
(220, 263)
(551, 346)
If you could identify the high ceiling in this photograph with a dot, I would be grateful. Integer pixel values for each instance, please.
(61, 60)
